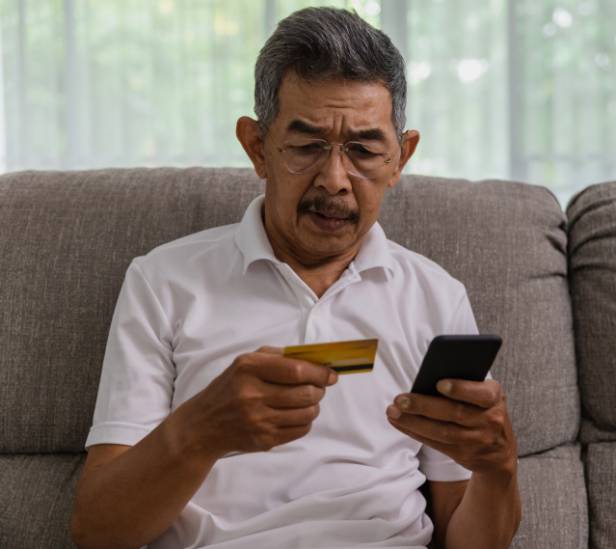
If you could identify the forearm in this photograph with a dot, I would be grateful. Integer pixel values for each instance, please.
(489, 513)
(136, 497)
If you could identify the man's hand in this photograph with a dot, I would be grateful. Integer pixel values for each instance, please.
(470, 424)
(129, 495)
(262, 400)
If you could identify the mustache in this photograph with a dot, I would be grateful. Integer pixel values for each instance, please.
(328, 207)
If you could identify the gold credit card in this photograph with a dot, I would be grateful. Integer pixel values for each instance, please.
(346, 357)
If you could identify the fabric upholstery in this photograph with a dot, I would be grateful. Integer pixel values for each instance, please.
(555, 514)
(592, 257)
(601, 478)
(36, 500)
(90, 224)
(507, 243)
(592, 264)
(66, 239)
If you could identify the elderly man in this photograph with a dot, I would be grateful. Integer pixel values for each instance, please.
(206, 435)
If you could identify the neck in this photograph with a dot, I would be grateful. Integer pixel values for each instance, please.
(320, 277)
(319, 273)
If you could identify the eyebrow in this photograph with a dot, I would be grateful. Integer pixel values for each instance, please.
(372, 134)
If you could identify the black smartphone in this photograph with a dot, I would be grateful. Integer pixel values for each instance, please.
(456, 357)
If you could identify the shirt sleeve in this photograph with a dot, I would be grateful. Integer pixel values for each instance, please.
(434, 464)
(136, 384)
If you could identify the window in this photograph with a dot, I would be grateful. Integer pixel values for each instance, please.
(519, 89)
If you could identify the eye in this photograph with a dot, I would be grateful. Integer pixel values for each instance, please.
(306, 149)
(359, 150)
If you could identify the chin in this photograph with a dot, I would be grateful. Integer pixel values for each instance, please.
(329, 246)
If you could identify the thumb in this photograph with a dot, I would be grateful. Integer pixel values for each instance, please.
(270, 350)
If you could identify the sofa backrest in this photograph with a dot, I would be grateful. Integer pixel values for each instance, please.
(507, 243)
(66, 239)
(592, 275)
(592, 264)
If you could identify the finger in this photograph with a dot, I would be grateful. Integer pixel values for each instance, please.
(283, 370)
(296, 417)
(287, 434)
(435, 431)
(292, 396)
(271, 350)
(472, 460)
(274, 437)
(443, 448)
(440, 408)
(484, 394)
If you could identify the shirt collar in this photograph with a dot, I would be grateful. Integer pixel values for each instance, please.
(374, 252)
(251, 237)
(252, 241)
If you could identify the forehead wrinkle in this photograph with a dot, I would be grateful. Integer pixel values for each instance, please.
(370, 134)
(300, 126)
(337, 108)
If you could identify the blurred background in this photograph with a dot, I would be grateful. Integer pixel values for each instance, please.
(509, 89)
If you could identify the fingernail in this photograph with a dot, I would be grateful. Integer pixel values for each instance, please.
(393, 412)
(444, 386)
(333, 377)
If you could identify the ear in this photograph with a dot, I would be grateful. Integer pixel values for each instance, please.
(249, 135)
(410, 139)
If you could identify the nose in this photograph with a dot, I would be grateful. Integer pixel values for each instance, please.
(333, 175)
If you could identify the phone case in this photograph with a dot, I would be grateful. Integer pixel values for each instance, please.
(456, 357)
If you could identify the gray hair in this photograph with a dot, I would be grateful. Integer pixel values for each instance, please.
(322, 43)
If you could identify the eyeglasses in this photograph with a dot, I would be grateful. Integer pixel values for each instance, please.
(359, 159)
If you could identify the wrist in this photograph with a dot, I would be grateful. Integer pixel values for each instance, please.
(187, 440)
(502, 474)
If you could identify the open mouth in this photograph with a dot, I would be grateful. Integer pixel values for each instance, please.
(327, 222)
(328, 215)
(340, 217)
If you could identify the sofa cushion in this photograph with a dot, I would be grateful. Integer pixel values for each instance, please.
(36, 500)
(66, 240)
(554, 508)
(601, 478)
(592, 259)
(41, 488)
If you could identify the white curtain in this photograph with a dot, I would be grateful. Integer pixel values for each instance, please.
(518, 89)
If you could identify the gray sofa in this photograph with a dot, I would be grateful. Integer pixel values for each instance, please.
(543, 279)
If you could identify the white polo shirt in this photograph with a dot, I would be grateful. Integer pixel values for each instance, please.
(189, 307)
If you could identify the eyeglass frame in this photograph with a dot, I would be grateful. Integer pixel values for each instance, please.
(329, 146)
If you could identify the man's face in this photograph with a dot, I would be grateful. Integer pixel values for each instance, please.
(324, 213)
